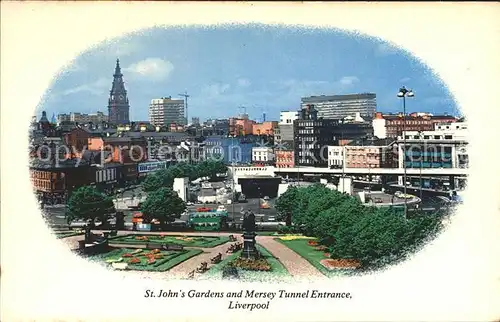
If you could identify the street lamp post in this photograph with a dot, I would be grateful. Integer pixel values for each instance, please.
(421, 151)
(403, 93)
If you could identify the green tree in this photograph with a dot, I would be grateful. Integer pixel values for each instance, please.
(374, 240)
(163, 204)
(160, 179)
(286, 204)
(88, 203)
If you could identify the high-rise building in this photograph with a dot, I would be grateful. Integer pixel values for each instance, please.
(341, 106)
(118, 105)
(165, 111)
(313, 135)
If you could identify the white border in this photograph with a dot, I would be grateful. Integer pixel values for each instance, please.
(455, 279)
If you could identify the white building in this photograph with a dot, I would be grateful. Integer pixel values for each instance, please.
(287, 117)
(379, 129)
(165, 111)
(262, 154)
(445, 147)
(335, 157)
(181, 187)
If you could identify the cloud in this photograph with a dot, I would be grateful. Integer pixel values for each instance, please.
(151, 68)
(119, 49)
(244, 82)
(348, 80)
(98, 87)
(405, 80)
(385, 50)
(215, 90)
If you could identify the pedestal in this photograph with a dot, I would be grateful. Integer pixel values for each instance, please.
(249, 250)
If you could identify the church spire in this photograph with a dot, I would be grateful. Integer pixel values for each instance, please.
(118, 105)
(118, 70)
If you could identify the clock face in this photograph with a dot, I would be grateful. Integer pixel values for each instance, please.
(121, 97)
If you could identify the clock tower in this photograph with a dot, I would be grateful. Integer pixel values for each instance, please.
(118, 106)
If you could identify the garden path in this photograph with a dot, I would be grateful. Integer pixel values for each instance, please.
(296, 265)
(191, 264)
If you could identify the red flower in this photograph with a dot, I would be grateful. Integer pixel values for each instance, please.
(127, 255)
(134, 260)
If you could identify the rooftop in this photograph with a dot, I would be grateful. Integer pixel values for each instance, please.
(321, 98)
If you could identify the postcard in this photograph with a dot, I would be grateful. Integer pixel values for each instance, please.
(250, 161)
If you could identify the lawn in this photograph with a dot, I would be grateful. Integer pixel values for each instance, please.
(310, 254)
(163, 260)
(278, 272)
(186, 241)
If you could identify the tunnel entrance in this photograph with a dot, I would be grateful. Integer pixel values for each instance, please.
(259, 187)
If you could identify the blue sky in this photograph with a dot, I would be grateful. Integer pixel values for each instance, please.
(266, 69)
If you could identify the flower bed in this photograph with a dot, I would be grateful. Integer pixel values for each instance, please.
(252, 265)
(332, 264)
(277, 273)
(186, 241)
(147, 260)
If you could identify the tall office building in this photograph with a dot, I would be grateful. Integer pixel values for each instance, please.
(165, 111)
(313, 135)
(341, 106)
(118, 105)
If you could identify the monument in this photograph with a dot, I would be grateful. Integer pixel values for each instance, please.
(249, 250)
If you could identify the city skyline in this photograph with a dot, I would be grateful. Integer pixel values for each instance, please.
(225, 68)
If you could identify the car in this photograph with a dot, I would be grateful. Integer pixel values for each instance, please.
(189, 203)
(266, 198)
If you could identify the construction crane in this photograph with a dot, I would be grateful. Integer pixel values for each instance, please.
(185, 95)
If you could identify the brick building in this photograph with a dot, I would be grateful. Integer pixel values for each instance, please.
(285, 158)
(392, 125)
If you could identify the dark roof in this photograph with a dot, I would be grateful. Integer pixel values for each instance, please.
(372, 142)
(95, 157)
(112, 139)
(109, 165)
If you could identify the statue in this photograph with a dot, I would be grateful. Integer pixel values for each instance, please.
(88, 234)
(249, 221)
(249, 250)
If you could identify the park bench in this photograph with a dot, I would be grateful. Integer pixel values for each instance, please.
(216, 259)
(231, 249)
(174, 247)
(191, 274)
(154, 246)
(202, 268)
